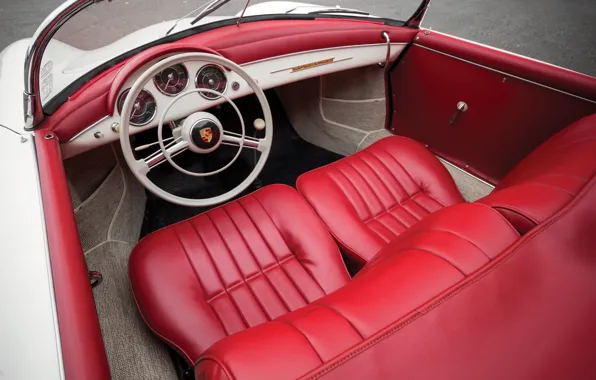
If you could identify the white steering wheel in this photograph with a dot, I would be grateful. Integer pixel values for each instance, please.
(201, 132)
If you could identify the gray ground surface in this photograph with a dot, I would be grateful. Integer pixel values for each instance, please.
(562, 32)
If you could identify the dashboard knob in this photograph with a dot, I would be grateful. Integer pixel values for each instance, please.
(259, 124)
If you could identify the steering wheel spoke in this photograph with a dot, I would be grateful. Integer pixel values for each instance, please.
(174, 148)
(235, 139)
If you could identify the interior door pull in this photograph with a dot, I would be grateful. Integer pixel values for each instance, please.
(461, 107)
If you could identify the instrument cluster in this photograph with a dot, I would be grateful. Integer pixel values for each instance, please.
(171, 82)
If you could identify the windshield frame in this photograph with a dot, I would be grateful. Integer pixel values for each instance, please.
(34, 111)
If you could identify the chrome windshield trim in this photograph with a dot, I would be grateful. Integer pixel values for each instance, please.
(33, 112)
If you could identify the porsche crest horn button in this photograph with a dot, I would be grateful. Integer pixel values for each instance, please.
(205, 134)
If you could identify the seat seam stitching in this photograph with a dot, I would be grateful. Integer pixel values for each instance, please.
(390, 172)
(243, 280)
(250, 278)
(388, 229)
(355, 189)
(219, 276)
(290, 324)
(431, 198)
(421, 206)
(395, 207)
(342, 316)
(399, 221)
(366, 182)
(387, 241)
(294, 255)
(401, 166)
(197, 277)
(403, 207)
(381, 181)
(254, 257)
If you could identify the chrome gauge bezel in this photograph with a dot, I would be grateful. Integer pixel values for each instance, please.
(205, 95)
(119, 107)
(181, 91)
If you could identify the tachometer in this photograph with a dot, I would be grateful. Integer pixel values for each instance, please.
(143, 110)
(172, 80)
(213, 78)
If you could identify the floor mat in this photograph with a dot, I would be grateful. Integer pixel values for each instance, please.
(134, 352)
(290, 156)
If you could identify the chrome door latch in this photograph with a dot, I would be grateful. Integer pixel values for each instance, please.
(461, 107)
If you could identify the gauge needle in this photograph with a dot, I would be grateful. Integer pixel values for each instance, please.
(136, 108)
(170, 77)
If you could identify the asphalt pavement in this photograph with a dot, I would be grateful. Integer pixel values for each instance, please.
(562, 32)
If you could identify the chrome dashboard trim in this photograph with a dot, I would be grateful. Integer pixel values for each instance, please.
(312, 65)
(319, 50)
(88, 128)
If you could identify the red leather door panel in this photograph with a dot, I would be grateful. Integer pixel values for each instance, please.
(514, 103)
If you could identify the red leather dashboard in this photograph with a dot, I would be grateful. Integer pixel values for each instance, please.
(247, 43)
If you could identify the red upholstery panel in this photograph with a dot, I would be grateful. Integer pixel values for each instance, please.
(506, 119)
(433, 256)
(233, 267)
(371, 197)
(529, 315)
(549, 177)
(80, 336)
(249, 42)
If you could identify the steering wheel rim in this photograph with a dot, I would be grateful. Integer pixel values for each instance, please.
(140, 168)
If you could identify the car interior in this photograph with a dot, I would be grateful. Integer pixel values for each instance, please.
(391, 196)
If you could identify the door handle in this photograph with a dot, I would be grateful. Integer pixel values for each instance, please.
(461, 108)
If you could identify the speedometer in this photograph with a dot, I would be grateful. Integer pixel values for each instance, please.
(143, 110)
(172, 81)
(213, 78)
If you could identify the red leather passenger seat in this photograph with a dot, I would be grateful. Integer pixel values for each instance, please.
(370, 197)
(233, 267)
(549, 177)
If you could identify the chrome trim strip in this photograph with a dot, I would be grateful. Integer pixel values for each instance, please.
(88, 128)
(312, 67)
(465, 172)
(319, 50)
(33, 111)
(506, 74)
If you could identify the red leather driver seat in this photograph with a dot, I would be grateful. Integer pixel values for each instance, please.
(233, 267)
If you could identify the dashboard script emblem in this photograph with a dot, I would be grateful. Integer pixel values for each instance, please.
(206, 135)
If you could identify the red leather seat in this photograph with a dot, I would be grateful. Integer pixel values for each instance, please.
(439, 252)
(233, 267)
(370, 197)
(549, 177)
